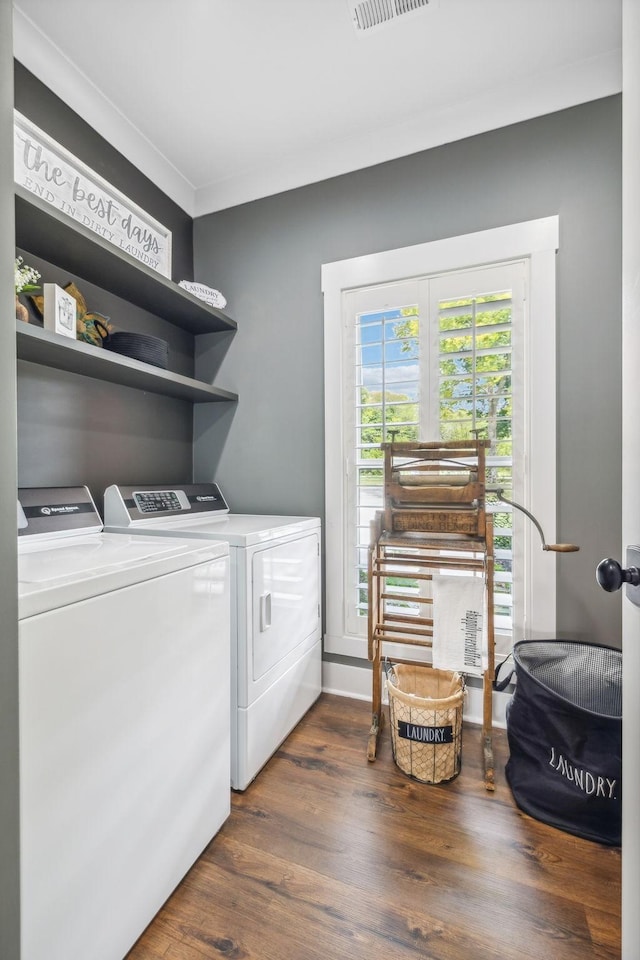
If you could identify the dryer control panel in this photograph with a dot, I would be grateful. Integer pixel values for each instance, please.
(160, 501)
(124, 505)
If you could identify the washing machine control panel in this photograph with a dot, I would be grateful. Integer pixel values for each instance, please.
(56, 512)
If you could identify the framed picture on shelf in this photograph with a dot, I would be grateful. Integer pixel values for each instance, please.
(59, 310)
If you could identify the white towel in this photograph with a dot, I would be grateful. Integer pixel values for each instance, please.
(459, 624)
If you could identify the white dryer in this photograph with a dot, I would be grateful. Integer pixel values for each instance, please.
(124, 722)
(276, 659)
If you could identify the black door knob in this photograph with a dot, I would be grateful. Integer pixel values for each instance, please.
(610, 575)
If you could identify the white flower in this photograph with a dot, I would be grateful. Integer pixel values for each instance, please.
(26, 278)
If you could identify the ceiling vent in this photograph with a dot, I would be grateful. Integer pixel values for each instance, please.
(369, 14)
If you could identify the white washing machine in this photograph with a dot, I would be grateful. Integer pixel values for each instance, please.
(124, 722)
(276, 658)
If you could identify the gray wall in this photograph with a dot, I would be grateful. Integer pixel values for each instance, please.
(266, 257)
(52, 115)
(74, 430)
(9, 798)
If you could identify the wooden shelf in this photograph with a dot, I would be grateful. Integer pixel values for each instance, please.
(46, 232)
(62, 353)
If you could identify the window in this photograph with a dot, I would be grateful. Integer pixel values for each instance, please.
(430, 359)
(439, 355)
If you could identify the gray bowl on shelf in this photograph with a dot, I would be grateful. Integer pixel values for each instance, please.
(137, 346)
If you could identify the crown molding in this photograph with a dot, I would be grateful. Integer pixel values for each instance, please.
(578, 83)
(536, 96)
(53, 68)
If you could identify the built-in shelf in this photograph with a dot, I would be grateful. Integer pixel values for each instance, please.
(46, 232)
(52, 350)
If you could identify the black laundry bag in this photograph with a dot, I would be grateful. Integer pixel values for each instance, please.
(564, 728)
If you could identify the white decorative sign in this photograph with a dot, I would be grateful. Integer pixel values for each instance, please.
(213, 297)
(59, 310)
(49, 171)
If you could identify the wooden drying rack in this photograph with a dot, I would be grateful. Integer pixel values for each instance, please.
(434, 519)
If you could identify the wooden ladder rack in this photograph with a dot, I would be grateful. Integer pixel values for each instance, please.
(434, 519)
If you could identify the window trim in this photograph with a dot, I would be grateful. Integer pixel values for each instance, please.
(535, 241)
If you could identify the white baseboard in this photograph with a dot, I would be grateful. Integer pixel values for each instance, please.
(345, 680)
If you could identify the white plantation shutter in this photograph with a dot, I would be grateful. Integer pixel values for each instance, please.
(478, 318)
(430, 358)
(384, 378)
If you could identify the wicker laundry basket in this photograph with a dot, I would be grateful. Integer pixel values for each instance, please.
(425, 709)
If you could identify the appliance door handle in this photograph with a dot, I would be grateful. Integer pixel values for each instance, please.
(265, 611)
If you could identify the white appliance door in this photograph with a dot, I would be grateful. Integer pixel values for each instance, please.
(286, 600)
(124, 757)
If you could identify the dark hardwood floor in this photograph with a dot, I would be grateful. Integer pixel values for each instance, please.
(327, 856)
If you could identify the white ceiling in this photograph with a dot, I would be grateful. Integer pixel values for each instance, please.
(224, 101)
